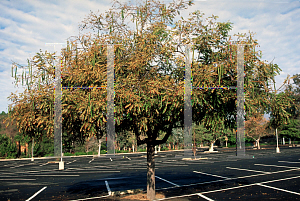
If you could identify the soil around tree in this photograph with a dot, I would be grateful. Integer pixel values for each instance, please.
(141, 196)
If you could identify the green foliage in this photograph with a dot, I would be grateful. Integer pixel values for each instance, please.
(22, 138)
(164, 149)
(290, 130)
(202, 134)
(8, 148)
(68, 154)
(142, 150)
(80, 153)
(45, 147)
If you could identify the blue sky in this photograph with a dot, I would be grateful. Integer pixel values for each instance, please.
(26, 25)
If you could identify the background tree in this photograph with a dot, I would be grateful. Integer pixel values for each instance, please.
(279, 104)
(256, 127)
(202, 135)
(292, 128)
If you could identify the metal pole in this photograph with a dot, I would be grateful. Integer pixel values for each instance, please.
(32, 159)
(240, 148)
(110, 100)
(187, 103)
(277, 148)
(57, 103)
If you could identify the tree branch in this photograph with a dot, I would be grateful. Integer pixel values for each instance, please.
(164, 140)
(138, 139)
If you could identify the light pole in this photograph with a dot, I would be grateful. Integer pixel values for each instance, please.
(32, 159)
(277, 148)
(57, 104)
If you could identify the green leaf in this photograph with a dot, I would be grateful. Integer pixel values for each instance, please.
(122, 14)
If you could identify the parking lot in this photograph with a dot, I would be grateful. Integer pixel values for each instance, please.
(262, 175)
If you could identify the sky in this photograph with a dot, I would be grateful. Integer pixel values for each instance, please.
(26, 25)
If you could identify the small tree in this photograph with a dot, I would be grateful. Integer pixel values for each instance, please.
(256, 127)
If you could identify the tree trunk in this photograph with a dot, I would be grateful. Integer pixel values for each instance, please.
(99, 150)
(211, 147)
(293, 142)
(257, 143)
(150, 171)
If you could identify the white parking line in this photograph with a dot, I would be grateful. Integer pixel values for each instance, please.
(253, 175)
(225, 189)
(128, 158)
(287, 170)
(89, 171)
(91, 198)
(266, 182)
(275, 166)
(108, 189)
(36, 193)
(17, 179)
(203, 196)
(23, 165)
(9, 190)
(211, 175)
(71, 162)
(287, 162)
(91, 160)
(17, 166)
(50, 175)
(167, 181)
(208, 182)
(279, 189)
(251, 185)
(250, 170)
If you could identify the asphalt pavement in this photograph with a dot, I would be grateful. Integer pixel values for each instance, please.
(262, 175)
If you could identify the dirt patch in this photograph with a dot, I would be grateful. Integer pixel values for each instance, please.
(141, 196)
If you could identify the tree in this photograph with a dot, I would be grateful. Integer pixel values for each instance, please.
(149, 77)
(279, 104)
(202, 134)
(256, 127)
(292, 128)
(8, 148)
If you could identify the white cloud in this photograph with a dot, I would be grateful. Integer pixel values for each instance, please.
(25, 27)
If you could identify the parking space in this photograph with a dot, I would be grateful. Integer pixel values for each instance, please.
(217, 176)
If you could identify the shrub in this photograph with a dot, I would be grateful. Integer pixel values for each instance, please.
(164, 149)
(68, 154)
(8, 149)
(80, 153)
(142, 150)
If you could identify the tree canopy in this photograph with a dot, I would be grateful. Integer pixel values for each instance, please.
(149, 46)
